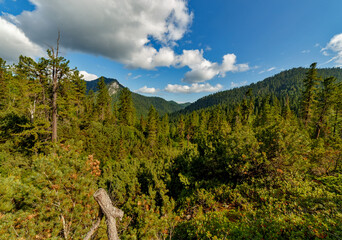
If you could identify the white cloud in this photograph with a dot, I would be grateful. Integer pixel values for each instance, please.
(147, 90)
(270, 69)
(136, 77)
(335, 47)
(13, 43)
(203, 70)
(208, 48)
(88, 76)
(193, 88)
(234, 85)
(124, 31)
(120, 30)
(267, 70)
(153, 75)
(305, 51)
(325, 53)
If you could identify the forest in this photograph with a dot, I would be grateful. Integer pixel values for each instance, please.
(266, 167)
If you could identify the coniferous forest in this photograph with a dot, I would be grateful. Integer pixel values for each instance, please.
(267, 166)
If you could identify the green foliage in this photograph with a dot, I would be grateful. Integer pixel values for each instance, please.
(243, 169)
(288, 83)
(126, 109)
(50, 198)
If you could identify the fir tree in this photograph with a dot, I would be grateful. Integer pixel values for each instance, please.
(126, 109)
(327, 99)
(309, 93)
(103, 100)
(152, 126)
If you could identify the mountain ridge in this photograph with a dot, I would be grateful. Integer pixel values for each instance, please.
(141, 103)
(286, 83)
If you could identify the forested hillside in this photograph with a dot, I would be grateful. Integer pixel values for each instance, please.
(217, 173)
(141, 103)
(286, 84)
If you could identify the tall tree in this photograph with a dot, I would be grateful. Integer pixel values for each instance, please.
(126, 109)
(309, 93)
(59, 69)
(327, 99)
(3, 82)
(103, 100)
(247, 106)
(152, 126)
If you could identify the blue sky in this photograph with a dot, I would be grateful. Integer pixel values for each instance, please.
(178, 50)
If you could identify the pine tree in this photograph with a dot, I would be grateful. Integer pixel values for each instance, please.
(152, 126)
(4, 77)
(165, 127)
(338, 110)
(327, 99)
(309, 93)
(126, 109)
(59, 69)
(103, 100)
(247, 106)
(181, 127)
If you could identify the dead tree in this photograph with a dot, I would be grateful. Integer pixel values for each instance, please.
(109, 211)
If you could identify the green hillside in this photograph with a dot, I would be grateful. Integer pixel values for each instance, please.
(286, 83)
(141, 103)
(245, 173)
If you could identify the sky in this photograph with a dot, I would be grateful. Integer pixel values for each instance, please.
(176, 49)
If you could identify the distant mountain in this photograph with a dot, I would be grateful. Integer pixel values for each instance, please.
(141, 103)
(286, 83)
(113, 85)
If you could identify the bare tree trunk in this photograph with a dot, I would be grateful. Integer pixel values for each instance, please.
(54, 90)
(111, 212)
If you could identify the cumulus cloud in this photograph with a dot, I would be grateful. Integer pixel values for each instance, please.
(120, 30)
(203, 70)
(193, 88)
(147, 90)
(88, 76)
(335, 47)
(14, 43)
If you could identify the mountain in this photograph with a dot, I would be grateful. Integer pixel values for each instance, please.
(287, 83)
(113, 85)
(141, 103)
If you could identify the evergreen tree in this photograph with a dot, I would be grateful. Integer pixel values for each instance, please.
(327, 99)
(309, 93)
(103, 100)
(126, 109)
(247, 106)
(3, 82)
(59, 69)
(152, 127)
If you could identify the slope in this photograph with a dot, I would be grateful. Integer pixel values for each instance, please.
(287, 83)
(141, 103)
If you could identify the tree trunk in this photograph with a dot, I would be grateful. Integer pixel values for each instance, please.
(110, 212)
(54, 110)
(55, 71)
